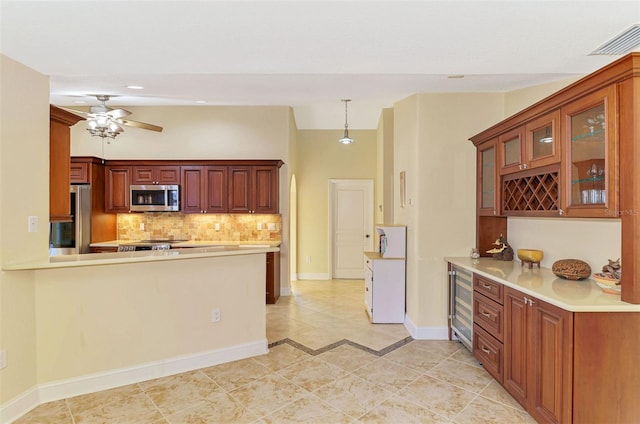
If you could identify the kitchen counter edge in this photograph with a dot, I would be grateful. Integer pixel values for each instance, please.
(115, 258)
(574, 296)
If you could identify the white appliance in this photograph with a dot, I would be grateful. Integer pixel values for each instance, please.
(385, 276)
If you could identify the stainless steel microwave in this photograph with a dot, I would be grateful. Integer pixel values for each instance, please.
(155, 198)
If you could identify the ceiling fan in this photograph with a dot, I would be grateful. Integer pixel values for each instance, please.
(104, 122)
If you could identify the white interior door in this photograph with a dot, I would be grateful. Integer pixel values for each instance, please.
(351, 226)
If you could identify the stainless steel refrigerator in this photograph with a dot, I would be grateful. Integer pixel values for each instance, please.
(70, 238)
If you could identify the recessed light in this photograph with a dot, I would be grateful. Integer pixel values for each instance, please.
(79, 102)
(455, 76)
(135, 87)
(201, 101)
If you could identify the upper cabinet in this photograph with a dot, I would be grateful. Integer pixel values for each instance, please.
(573, 154)
(488, 187)
(117, 182)
(589, 171)
(253, 189)
(511, 145)
(156, 174)
(60, 163)
(542, 141)
(530, 146)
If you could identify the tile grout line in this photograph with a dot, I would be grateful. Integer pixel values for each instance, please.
(315, 352)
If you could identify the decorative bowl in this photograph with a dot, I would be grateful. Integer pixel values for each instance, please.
(571, 269)
(530, 255)
(607, 284)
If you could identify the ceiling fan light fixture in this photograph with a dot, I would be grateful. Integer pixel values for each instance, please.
(346, 139)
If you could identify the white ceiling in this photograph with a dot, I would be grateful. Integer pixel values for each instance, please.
(305, 54)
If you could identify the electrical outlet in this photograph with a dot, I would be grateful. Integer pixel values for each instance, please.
(308, 259)
(3, 359)
(33, 224)
(217, 227)
(259, 226)
(271, 226)
(142, 226)
(215, 315)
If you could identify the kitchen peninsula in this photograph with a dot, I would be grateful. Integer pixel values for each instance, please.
(111, 319)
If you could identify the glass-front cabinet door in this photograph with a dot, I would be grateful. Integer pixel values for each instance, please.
(511, 151)
(589, 177)
(542, 140)
(487, 178)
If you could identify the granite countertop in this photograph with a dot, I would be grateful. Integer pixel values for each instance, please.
(575, 296)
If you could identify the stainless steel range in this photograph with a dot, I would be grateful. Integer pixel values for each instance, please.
(159, 244)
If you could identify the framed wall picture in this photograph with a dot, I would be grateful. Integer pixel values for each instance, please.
(403, 190)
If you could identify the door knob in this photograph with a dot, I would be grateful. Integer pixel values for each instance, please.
(367, 236)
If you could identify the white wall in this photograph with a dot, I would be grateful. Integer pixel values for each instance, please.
(431, 145)
(24, 191)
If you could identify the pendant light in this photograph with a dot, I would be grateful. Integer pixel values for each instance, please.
(346, 139)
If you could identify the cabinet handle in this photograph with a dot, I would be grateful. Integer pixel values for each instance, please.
(531, 302)
(525, 300)
(495, 212)
(525, 166)
(560, 212)
(520, 167)
(487, 286)
(485, 350)
(486, 314)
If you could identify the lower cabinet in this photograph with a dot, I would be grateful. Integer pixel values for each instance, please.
(561, 366)
(538, 356)
(273, 277)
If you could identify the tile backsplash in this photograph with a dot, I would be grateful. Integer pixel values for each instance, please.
(179, 226)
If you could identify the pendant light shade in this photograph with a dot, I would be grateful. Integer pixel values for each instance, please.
(346, 139)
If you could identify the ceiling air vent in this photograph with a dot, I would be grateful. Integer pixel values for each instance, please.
(621, 44)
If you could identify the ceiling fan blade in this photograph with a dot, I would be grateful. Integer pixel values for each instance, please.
(77, 112)
(118, 113)
(142, 125)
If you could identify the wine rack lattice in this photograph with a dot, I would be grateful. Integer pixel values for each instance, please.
(531, 193)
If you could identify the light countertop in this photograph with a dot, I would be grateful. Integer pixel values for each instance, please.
(92, 259)
(575, 296)
(196, 243)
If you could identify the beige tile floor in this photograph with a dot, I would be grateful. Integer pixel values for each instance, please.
(327, 364)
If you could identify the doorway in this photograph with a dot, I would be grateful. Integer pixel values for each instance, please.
(350, 226)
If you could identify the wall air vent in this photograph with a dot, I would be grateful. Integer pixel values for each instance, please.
(621, 44)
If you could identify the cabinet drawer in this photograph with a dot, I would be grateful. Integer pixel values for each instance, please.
(489, 352)
(489, 315)
(489, 288)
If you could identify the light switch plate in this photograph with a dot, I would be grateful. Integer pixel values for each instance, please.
(271, 226)
(33, 224)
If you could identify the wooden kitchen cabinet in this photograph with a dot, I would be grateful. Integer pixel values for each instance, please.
(538, 355)
(253, 189)
(532, 145)
(117, 182)
(590, 170)
(156, 174)
(204, 189)
(79, 173)
(273, 277)
(488, 325)
(60, 163)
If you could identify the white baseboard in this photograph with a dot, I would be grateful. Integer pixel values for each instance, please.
(285, 291)
(313, 276)
(19, 406)
(90, 383)
(425, 333)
